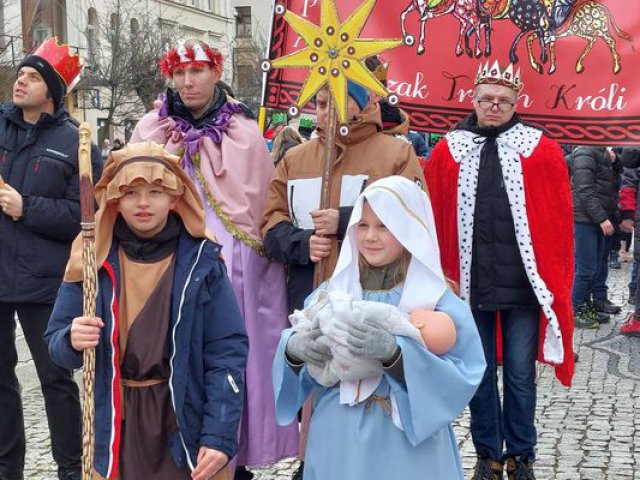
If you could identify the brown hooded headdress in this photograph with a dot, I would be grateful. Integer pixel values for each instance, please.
(150, 163)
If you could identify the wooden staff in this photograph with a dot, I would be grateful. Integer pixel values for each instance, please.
(327, 177)
(88, 224)
(325, 202)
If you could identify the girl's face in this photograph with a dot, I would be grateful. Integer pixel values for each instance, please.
(375, 243)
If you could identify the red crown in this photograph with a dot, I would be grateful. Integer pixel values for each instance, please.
(66, 65)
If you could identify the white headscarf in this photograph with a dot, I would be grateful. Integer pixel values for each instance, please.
(404, 208)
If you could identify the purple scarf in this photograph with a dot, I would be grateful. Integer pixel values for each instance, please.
(214, 130)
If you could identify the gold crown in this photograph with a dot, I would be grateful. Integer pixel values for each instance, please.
(381, 72)
(496, 75)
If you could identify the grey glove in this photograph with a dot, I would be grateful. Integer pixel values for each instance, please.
(304, 347)
(369, 340)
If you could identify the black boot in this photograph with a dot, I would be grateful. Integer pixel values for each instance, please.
(606, 307)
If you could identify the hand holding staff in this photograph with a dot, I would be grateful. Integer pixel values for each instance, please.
(88, 223)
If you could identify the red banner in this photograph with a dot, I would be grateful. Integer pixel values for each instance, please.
(579, 60)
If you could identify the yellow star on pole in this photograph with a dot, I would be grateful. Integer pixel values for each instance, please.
(335, 54)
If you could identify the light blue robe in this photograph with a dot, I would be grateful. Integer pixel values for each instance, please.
(360, 442)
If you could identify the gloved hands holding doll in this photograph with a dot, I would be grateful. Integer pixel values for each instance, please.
(303, 346)
(369, 339)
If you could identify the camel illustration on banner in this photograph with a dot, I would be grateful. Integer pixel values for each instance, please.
(543, 20)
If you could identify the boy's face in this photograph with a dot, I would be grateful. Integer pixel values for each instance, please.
(145, 208)
(375, 243)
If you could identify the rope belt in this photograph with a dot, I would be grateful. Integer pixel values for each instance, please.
(125, 382)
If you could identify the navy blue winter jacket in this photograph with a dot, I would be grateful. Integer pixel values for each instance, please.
(41, 162)
(208, 351)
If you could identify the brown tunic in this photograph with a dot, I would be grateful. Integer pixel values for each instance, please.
(148, 417)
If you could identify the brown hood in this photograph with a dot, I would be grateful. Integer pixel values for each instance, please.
(148, 162)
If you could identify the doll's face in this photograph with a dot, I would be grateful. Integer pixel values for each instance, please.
(145, 208)
(375, 243)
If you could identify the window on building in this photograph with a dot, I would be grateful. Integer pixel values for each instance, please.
(114, 22)
(243, 21)
(245, 77)
(92, 35)
(135, 28)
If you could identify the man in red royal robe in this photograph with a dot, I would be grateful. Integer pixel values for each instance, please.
(502, 202)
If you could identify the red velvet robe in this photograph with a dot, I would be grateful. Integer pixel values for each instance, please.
(550, 215)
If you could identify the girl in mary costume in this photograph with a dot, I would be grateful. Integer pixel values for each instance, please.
(383, 401)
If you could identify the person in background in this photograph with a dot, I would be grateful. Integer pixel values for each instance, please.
(306, 128)
(595, 177)
(630, 158)
(279, 120)
(117, 145)
(39, 218)
(286, 139)
(106, 148)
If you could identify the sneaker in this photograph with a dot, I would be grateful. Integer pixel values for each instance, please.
(583, 317)
(606, 307)
(519, 468)
(487, 469)
(631, 328)
(297, 475)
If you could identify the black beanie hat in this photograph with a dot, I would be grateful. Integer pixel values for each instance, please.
(57, 87)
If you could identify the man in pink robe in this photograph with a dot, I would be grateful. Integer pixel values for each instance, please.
(223, 152)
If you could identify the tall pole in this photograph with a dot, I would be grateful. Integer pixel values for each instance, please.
(327, 175)
(88, 224)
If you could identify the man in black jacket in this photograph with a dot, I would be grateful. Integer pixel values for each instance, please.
(595, 176)
(39, 218)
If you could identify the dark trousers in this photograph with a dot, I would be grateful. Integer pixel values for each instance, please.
(59, 389)
(589, 242)
(511, 423)
(600, 289)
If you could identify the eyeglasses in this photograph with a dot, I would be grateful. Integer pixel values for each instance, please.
(488, 104)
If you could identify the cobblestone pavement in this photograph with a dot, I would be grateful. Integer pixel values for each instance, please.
(591, 431)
